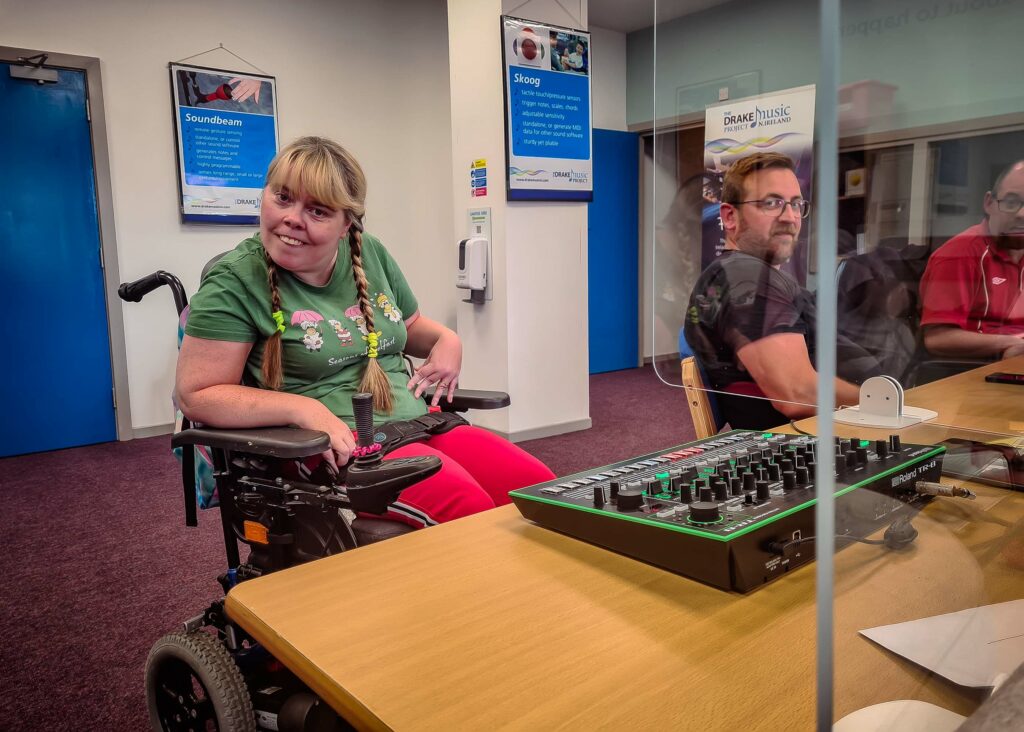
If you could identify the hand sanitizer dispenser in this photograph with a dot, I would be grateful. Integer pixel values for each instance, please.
(472, 274)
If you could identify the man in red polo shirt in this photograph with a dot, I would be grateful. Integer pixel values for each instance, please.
(972, 292)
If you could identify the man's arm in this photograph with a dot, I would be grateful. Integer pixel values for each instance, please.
(781, 367)
(949, 340)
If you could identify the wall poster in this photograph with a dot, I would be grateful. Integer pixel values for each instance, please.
(778, 122)
(226, 136)
(547, 112)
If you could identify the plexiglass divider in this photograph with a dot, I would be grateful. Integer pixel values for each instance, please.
(827, 126)
(930, 233)
(834, 262)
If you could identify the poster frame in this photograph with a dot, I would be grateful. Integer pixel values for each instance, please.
(540, 194)
(215, 219)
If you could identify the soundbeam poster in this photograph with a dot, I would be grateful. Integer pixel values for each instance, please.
(547, 112)
(779, 122)
(226, 125)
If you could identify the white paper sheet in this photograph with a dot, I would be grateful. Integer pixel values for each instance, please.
(905, 715)
(977, 647)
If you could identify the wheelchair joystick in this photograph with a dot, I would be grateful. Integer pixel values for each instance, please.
(372, 483)
(367, 452)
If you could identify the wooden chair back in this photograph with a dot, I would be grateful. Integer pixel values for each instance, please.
(697, 397)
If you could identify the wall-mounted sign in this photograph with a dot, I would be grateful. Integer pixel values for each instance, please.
(547, 112)
(226, 124)
(478, 178)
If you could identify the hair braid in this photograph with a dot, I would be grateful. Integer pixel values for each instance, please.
(272, 371)
(375, 381)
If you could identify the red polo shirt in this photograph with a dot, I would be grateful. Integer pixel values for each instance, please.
(973, 285)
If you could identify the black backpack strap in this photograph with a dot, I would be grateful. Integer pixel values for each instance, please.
(438, 423)
(393, 435)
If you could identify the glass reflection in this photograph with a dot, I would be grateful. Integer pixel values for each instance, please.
(929, 280)
(923, 138)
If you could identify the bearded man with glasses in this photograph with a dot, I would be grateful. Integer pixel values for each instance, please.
(750, 324)
(972, 292)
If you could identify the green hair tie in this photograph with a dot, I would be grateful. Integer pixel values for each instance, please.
(279, 319)
(372, 339)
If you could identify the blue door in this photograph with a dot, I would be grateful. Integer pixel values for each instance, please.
(55, 378)
(614, 253)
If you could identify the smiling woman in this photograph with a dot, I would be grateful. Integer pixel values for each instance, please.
(301, 234)
(294, 321)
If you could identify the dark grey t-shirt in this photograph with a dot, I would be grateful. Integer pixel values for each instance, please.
(740, 299)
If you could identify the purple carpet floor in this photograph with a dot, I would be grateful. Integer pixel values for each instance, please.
(97, 562)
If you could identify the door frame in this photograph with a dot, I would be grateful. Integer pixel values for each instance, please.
(105, 215)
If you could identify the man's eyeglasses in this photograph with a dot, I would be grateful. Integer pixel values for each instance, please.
(774, 205)
(1009, 205)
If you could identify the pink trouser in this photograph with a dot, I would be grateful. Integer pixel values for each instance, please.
(478, 469)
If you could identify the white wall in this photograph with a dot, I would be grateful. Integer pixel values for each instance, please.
(608, 79)
(533, 334)
(372, 75)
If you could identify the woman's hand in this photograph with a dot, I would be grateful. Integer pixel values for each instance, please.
(441, 368)
(343, 442)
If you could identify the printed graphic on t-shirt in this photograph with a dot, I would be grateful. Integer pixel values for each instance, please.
(309, 321)
(998, 280)
(391, 312)
(356, 316)
(349, 347)
(344, 335)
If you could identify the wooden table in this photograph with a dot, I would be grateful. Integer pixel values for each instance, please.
(490, 622)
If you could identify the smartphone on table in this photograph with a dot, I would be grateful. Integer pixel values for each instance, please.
(1002, 377)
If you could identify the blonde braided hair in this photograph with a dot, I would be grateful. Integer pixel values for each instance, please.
(272, 373)
(375, 381)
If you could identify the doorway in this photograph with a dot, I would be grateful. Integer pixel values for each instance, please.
(58, 383)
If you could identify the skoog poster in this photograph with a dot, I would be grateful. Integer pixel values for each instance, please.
(227, 134)
(547, 112)
(779, 122)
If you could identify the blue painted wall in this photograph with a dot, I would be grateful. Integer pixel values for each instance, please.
(612, 233)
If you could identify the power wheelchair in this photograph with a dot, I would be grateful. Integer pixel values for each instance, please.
(212, 675)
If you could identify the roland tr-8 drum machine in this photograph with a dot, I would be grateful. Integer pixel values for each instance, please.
(736, 510)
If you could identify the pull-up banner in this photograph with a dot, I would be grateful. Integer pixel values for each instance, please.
(780, 122)
(547, 112)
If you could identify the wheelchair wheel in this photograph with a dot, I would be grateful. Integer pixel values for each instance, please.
(192, 683)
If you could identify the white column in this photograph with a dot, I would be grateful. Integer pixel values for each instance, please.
(531, 338)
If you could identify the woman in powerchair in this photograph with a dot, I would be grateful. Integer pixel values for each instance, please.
(290, 324)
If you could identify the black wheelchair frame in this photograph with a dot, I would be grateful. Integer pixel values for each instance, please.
(198, 679)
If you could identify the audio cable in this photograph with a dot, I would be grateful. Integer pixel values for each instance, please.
(927, 488)
(900, 533)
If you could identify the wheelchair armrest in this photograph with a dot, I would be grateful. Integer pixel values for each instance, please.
(464, 399)
(279, 442)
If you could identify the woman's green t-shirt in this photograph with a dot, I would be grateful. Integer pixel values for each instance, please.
(323, 352)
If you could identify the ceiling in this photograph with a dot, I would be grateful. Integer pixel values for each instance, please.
(627, 16)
